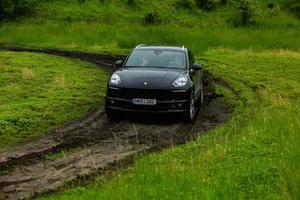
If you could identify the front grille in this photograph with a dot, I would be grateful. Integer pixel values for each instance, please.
(114, 92)
(166, 99)
(159, 95)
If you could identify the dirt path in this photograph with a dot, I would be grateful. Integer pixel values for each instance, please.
(94, 144)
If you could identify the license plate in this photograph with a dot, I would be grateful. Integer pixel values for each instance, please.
(144, 101)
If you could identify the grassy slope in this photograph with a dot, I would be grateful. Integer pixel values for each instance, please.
(38, 92)
(96, 26)
(254, 156)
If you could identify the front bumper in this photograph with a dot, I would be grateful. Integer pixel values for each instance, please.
(167, 101)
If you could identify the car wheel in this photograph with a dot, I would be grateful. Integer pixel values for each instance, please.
(200, 99)
(191, 112)
(111, 113)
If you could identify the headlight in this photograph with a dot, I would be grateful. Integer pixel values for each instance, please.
(115, 79)
(181, 81)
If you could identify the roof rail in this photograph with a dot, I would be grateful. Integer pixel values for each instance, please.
(183, 47)
(140, 45)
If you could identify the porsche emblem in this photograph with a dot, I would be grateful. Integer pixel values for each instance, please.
(145, 83)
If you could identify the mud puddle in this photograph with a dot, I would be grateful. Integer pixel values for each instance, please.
(98, 142)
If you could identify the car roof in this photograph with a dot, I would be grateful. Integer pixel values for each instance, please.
(158, 47)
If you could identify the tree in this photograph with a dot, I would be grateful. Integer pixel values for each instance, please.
(11, 9)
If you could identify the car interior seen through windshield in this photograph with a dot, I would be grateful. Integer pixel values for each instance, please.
(156, 58)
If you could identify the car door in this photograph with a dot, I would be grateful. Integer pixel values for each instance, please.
(195, 75)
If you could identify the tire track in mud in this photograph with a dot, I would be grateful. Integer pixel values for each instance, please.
(95, 143)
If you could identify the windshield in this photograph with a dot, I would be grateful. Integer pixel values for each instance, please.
(156, 58)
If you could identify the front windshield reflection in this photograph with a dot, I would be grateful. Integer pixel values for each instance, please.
(156, 58)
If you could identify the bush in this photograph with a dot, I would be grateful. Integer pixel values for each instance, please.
(185, 4)
(11, 9)
(274, 8)
(151, 18)
(130, 2)
(271, 5)
(81, 1)
(247, 12)
(223, 2)
(207, 5)
(294, 7)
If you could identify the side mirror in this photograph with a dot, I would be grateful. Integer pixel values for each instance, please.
(119, 63)
(197, 66)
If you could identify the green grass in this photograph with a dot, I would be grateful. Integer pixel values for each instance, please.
(39, 92)
(55, 156)
(254, 156)
(113, 26)
(97, 38)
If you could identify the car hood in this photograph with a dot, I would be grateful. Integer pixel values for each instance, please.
(149, 78)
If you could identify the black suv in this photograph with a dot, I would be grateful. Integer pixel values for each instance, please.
(156, 79)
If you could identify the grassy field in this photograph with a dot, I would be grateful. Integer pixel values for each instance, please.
(96, 26)
(254, 156)
(39, 92)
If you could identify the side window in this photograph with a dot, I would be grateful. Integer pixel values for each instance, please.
(191, 58)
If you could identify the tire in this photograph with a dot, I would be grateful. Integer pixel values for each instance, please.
(112, 114)
(190, 115)
(200, 99)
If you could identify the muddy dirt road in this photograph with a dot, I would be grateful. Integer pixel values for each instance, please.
(95, 144)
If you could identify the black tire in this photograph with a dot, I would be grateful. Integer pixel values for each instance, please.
(200, 99)
(112, 114)
(190, 115)
(202, 93)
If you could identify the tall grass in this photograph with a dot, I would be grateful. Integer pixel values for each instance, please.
(114, 26)
(99, 37)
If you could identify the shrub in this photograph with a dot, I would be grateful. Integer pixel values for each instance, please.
(223, 2)
(271, 5)
(207, 5)
(130, 2)
(247, 12)
(274, 8)
(151, 18)
(185, 4)
(294, 7)
(81, 1)
(11, 9)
